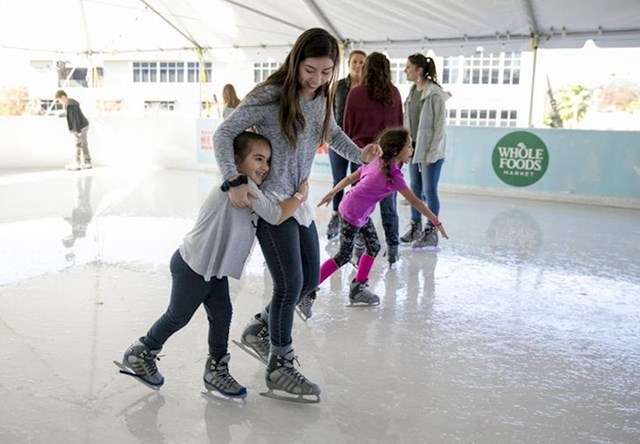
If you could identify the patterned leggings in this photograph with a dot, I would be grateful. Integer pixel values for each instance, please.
(348, 235)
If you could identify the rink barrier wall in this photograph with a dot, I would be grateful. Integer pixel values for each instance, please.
(591, 167)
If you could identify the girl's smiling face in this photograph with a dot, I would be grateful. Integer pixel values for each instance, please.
(313, 73)
(257, 163)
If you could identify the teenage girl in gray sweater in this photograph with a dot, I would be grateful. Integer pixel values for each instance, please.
(292, 109)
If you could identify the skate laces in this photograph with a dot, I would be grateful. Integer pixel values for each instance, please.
(290, 370)
(148, 364)
(222, 375)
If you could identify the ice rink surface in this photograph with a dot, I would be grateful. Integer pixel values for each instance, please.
(525, 328)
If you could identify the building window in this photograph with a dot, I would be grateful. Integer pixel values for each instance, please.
(171, 72)
(159, 105)
(263, 70)
(398, 76)
(482, 69)
(50, 105)
(511, 70)
(145, 72)
(193, 72)
(482, 117)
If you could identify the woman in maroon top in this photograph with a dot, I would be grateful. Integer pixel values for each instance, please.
(371, 108)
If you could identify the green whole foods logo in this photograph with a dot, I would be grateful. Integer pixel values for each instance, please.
(520, 159)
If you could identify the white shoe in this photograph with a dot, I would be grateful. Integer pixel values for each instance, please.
(73, 166)
(86, 165)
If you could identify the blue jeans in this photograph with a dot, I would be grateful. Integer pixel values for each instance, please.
(424, 184)
(188, 291)
(339, 167)
(292, 254)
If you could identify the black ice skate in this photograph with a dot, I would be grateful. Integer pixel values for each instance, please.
(219, 382)
(255, 339)
(139, 361)
(304, 309)
(359, 295)
(287, 384)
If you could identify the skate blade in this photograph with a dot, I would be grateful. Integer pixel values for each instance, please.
(300, 399)
(352, 304)
(249, 350)
(126, 371)
(435, 249)
(217, 396)
(301, 315)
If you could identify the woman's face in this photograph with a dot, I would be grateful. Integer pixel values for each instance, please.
(412, 71)
(355, 65)
(313, 73)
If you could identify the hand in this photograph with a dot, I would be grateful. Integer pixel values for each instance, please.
(239, 196)
(304, 189)
(370, 152)
(440, 229)
(326, 199)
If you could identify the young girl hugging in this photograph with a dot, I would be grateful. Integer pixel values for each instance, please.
(217, 247)
(377, 180)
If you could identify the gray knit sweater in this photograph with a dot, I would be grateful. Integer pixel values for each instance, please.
(289, 166)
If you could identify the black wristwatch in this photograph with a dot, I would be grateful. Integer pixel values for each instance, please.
(240, 180)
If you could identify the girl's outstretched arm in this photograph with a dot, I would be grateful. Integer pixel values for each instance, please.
(351, 178)
(424, 210)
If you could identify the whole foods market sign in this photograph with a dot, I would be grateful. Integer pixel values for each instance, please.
(520, 159)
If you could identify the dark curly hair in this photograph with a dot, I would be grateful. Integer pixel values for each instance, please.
(376, 74)
(392, 141)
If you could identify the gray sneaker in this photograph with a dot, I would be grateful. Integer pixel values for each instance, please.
(333, 229)
(217, 377)
(256, 339)
(305, 306)
(429, 238)
(360, 294)
(141, 360)
(413, 234)
(281, 375)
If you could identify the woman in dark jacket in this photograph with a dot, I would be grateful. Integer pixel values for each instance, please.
(339, 164)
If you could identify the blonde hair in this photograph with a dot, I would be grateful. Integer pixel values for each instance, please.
(229, 96)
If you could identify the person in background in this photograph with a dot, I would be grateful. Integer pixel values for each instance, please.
(370, 109)
(230, 98)
(425, 117)
(79, 127)
(340, 165)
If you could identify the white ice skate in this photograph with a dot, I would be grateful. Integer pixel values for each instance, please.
(285, 383)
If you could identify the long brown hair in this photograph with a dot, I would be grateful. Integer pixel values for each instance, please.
(392, 141)
(315, 42)
(376, 74)
(229, 96)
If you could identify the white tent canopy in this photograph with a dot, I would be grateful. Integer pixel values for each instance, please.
(397, 26)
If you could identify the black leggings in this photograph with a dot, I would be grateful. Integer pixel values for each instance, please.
(348, 234)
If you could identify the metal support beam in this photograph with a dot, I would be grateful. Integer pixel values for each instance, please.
(255, 11)
(178, 30)
(323, 19)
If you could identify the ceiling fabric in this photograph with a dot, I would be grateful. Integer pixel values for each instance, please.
(398, 27)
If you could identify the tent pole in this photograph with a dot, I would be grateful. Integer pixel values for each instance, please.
(534, 44)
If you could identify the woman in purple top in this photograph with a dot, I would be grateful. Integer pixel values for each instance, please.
(377, 180)
(371, 108)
